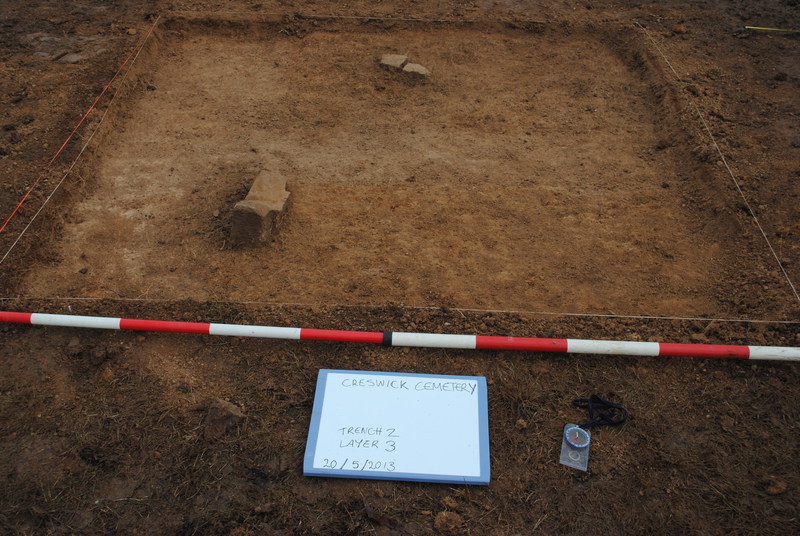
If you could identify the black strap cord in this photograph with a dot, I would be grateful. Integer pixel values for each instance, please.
(601, 412)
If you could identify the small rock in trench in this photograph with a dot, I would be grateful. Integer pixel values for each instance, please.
(71, 58)
(450, 503)
(99, 354)
(416, 70)
(448, 522)
(222, 416)
(774, 486)
(393, 61)
(73, 347)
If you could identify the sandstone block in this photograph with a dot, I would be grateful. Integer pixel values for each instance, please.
(257, 217)
(72, 58)
(416, 70)
(393, 61)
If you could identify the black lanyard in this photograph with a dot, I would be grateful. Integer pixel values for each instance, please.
(601, 412)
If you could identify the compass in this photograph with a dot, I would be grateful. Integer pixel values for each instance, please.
(576, 437)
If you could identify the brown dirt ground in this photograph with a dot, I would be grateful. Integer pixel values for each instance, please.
(552, 162)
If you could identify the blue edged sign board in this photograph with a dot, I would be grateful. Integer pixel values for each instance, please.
(398, 426)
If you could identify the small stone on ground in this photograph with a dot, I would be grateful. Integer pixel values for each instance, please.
(222, 416)
(416, 70)
(448, 522)
(393, 61)
(71, 58)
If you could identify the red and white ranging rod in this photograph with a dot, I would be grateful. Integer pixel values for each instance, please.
(426, 340)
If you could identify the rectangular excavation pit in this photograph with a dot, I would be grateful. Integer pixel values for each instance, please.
(530, 171)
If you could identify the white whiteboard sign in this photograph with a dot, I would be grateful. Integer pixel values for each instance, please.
(397, 426)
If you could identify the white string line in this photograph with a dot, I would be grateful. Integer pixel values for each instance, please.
(747, 204)
(725, 162)
(334, 17)
(85, 145)
(412, 307)
(671, 68)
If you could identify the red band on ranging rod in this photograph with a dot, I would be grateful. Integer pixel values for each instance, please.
(703, 350)
(485, 342)
(341, 336)
(165, 326)
(15, 318)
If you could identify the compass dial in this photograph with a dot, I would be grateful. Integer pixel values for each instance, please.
(577, 437)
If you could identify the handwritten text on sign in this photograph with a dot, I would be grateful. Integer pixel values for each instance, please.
(404, 426)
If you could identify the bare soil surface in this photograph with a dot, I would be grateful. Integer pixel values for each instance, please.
(523, 165)
(558, 159)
